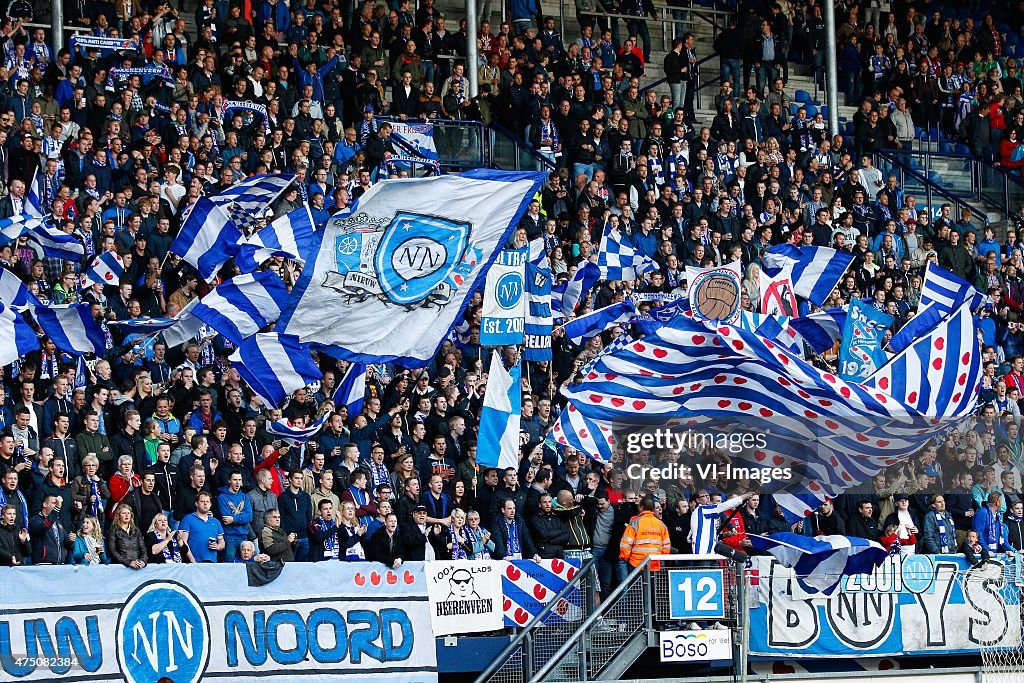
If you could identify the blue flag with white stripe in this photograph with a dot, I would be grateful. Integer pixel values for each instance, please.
(948, 290)
(566, 296)
(275, 366)
(14, 293)
(143, 325)
(208, 238)
(539, 321)
(294, 435)
(243, 305)
(56, 243)
(498, 442)
(246, 202)
(815, 270)
(16, 336)
(351, 390)
(586, 326)
(72, 328)
(14, 227)
(820, 563)
(290, 236)
(618, 260)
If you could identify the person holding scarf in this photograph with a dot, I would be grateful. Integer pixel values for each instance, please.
(323, 534)
(478, 538)
(360, 498)
(988, 523)
(351, 534)
(458, 537)
(166, 546)
(939, 536)
(88, 491)
(11, 495)
(88, 547)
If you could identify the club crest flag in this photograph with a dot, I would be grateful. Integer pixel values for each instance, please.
(388, 279)
(861, 352)
(777, 294)
(714, 293)
(504, 311)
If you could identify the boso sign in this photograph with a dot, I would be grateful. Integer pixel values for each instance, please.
(194, 623)
(696, 646)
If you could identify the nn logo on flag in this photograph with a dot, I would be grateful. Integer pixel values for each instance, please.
(411, 261)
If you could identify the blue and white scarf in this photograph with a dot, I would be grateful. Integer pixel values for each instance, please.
(513, 550)
(171, 551)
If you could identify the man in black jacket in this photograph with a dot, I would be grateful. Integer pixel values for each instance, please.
(863, 524)
(385, 546)
(378, 145)
(550, 532)
(511, 537)
(422, 541)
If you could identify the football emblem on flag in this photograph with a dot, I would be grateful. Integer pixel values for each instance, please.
(715, 295)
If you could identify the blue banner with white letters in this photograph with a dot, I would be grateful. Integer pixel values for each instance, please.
(360, 622)
(910, 605)
(504, 313)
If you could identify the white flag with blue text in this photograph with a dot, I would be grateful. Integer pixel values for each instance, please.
(504, 310)
(498, 443)
(398, 268)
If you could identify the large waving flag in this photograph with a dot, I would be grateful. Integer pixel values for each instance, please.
(618, 260)
(942, 292)
(832, 434)
(820, 563)
(184, 326)
(820, 330)
(72, 328)
(275, 366)
(290, 236)
(566, 296)
(243, 305)
(14, 227)
(580, 329)
(400, 266)
(56, 243)
(815, 270)
(247, 201)
(351, 390)
(207, 239)
(106, 269)
(16, 336)
(14, 293)
(499, 418)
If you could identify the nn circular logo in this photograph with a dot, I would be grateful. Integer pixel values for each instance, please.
(162, 630)
(509, 290)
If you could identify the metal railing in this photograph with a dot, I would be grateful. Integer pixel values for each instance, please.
(516, 663)
(509, 152)
(889, 161)
(460, 144)
(999, 187)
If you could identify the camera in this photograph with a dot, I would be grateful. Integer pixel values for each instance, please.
(730, 553)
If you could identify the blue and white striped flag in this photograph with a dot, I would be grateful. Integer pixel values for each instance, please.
(618, 260)
(16, 336)
(143, 325)
(14, 227)
(499, 418)
(275, 366)
(566, 296)
(208, 238)
(72, 328)
(815, 270)
(296, 436)
(820, 330)
(290, 236)
(820, 563)
(184, 326)
(351, 390)
(947, 290)
(586, 326)
(14, 293)
(243, 305)
(34, 198)
(247, 201)
(106, 269)
(56, 243)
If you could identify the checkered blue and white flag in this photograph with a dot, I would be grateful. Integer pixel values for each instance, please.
(618, 260)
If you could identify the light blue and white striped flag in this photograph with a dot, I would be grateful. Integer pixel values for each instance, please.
(290, 236)
(72, 328)
(296, 436)
(56, 243)
(351, 391)
(14, 227)
(820, 563)
(14, 293)
(247, 201)
(815, 270)
(618, 260)
(586, 326)
(16, 336)
(243, 305)
(106, 269)
(498, 443)
(34, 198)
(948, 290)
(275, 366)
(143, 325)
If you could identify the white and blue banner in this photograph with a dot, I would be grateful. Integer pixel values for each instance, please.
(418, 135)
(400, 266)
(816, 270)
(539, 319)
(229, 106)
(504, 311)
(498, 441)
(351, 390)
(72, 328)
(106, 46)
(117, 78)
(861, 353)
(288, 236)
(191, 623)
(242, 306)
(275, 366)
(16, 336)
(14, 293)
(910, 605)
(581, 329)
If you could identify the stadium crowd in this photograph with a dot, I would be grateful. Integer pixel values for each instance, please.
(158, 454)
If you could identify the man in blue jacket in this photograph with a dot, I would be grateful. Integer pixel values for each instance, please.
(988, 522)
(296, 512)
(236, 514)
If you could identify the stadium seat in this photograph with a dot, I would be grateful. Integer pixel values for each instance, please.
(961, 148)
(803, 97)
(811, 110)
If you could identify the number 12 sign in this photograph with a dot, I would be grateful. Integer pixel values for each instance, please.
(696, 594)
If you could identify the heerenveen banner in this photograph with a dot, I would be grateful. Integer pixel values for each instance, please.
(190, 623)
(465, 596)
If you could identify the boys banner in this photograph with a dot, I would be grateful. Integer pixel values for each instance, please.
(861, 351)
(361, 622)
(465, 596)
(504, 311)
(405, 258)
(911, 604)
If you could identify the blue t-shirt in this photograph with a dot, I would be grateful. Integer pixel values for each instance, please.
(199, 535)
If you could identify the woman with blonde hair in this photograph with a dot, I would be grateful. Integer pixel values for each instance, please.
(88, 548)
(458, 542)
(124, 539)
(752, 286)
(165, 546)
